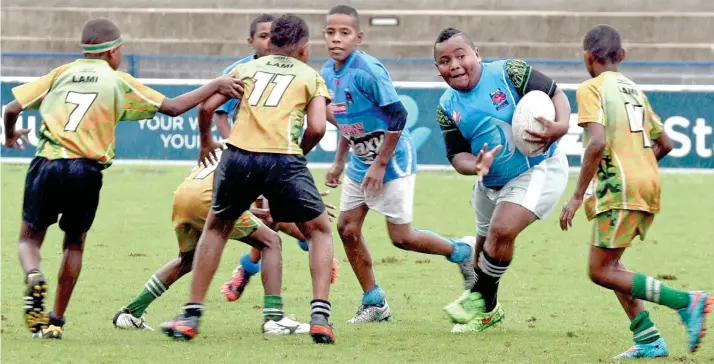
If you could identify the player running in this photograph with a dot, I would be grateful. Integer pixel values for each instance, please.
(477, 109)
(625, 139)
(263, 157)
(382, 162)
(81, 104)
(192, 201)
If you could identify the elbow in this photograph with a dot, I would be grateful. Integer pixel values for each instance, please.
(597, 146)
(170, 109)
(12, 110)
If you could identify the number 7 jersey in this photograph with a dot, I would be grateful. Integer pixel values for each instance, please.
(271, 114)
(628, 175)
(81, 104)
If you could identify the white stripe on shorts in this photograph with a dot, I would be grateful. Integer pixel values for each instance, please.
(535, 186)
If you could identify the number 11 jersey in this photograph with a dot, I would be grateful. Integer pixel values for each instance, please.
(271, 115)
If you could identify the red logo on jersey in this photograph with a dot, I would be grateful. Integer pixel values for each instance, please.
(456, 116)
(352, 129)
(337, 82)
(339, 108)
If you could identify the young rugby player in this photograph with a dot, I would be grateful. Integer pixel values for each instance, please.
(477, 109)
(81, 104)
(382, 162)
(625, 139)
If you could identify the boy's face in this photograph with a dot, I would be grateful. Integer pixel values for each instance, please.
(342, 36)
(115, 57)
(459, 64)
(260, 41)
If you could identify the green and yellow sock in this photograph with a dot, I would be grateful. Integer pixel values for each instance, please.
(643, 329)
(649, 289)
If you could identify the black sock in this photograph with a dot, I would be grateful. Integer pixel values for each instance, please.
(488, 274)
(193, 309)
(56, 321)
(320, 307)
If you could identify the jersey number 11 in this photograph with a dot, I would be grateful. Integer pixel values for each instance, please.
(262, 79)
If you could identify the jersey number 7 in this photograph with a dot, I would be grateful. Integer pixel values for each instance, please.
(262, 79)
(636, 116)
(82, 103)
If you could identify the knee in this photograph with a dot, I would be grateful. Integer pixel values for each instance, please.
(598, 274)
(502, 234)
(349, 232)
(185, 260)
(400, 240)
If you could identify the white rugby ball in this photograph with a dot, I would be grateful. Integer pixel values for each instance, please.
(532, 105)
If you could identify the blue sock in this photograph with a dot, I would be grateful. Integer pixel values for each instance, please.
(250, 267)
(303, 245)
(461, 252)
(374, 297)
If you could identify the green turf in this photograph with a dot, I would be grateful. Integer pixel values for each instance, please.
(553, 312)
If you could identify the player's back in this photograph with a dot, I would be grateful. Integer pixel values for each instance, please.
(628, 177)
(276, 94)
(81, 103)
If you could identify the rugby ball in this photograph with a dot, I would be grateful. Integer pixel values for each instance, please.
(532, 105)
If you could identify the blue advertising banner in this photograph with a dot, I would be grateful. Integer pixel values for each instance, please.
(688, 114)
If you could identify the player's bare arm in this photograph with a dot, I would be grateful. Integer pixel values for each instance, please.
(332, 177)
(591, 159)
(374, 179)
(226, 85)
(14, 139)
(316, 124)
(207, 153)
(222, 124)
(662, 145)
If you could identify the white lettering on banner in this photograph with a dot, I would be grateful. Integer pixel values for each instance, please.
(180, 141)
(701, 131)
(681, 138)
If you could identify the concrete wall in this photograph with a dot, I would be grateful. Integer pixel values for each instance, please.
(648, 36)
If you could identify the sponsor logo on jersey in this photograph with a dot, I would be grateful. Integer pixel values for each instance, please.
(499, 99)
(339, 108)
(352, 129)
(366, 147)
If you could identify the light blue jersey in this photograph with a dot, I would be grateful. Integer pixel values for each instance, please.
(231, 104)
(359, 90)
(483, 115)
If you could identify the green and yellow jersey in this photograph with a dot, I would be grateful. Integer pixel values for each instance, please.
(81, 104)
(628, 175)
(271, 115)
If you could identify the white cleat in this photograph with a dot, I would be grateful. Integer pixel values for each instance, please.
(125, 320)
(285, 326)
(366, 314)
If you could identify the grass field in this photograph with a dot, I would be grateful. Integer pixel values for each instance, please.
(554, 314)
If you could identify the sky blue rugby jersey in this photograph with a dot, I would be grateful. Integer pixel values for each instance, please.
(231, 104)
(483, 115)
(359, 90)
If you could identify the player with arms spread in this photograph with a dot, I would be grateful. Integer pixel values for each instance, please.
(382, 162)
(81, 104)
(264, 157)
(625, 139)
(477, 109)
